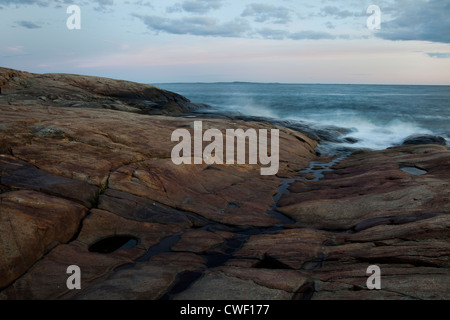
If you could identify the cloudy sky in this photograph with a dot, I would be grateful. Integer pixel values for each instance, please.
(291, 41)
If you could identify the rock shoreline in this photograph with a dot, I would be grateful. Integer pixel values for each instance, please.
(86, 159)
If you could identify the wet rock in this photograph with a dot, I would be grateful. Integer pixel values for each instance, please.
(425, 139)
(372, 186)
(351, 140)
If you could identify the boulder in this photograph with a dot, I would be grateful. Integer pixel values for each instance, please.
(425, 139)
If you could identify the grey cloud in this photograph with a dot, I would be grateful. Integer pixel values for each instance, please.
(267, 33)
(199, 6)
(104, 5)
(199, 26)
(439, 55)
(205, 26)
(28, 24)
(26, 2)
(140, 3)
(419, 20)
(105, 2)
(262, 12)
(330, 25)
(175, 8)
(195, 6)
(330, 11)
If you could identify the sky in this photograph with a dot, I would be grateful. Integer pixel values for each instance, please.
(286, 41)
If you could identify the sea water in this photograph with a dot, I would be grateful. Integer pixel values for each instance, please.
(376, 116)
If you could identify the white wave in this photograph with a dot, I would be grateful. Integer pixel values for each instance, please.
(249, 108)
(377, 136)
(370, 133)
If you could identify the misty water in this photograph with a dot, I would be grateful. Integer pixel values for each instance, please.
(378, 116)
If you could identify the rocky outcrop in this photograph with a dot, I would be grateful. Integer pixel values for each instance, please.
(97, 188)
(74, 177)
(76, 91)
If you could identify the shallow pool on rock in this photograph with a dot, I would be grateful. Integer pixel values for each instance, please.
(414, 171)
(114, 243)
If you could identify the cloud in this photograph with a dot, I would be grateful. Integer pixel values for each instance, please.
(419, 20)
(103, 5)
(140, 3)
(177, 7)
(439, 55)
(330, 25)
(268, 33)
(198, 6)
(56, 3)
(26, 2)
(262, 12)
(195, 6)
(105, 2)
(28, 24)
(238, 28)
(335, 12)
(199, 26)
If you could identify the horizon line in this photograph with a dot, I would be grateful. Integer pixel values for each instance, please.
(297, 83)
(228, 82)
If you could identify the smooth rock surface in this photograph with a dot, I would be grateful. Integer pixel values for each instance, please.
(85, 160)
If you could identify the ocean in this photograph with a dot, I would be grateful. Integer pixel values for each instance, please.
(364, 116)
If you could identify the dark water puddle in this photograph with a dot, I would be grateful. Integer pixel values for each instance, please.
(269, 262)
(282, 190)
(183, 282)
(114, 243)
(227, 251)
(186, 279)
(317, 169)
(414, 171)
(165, 245)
